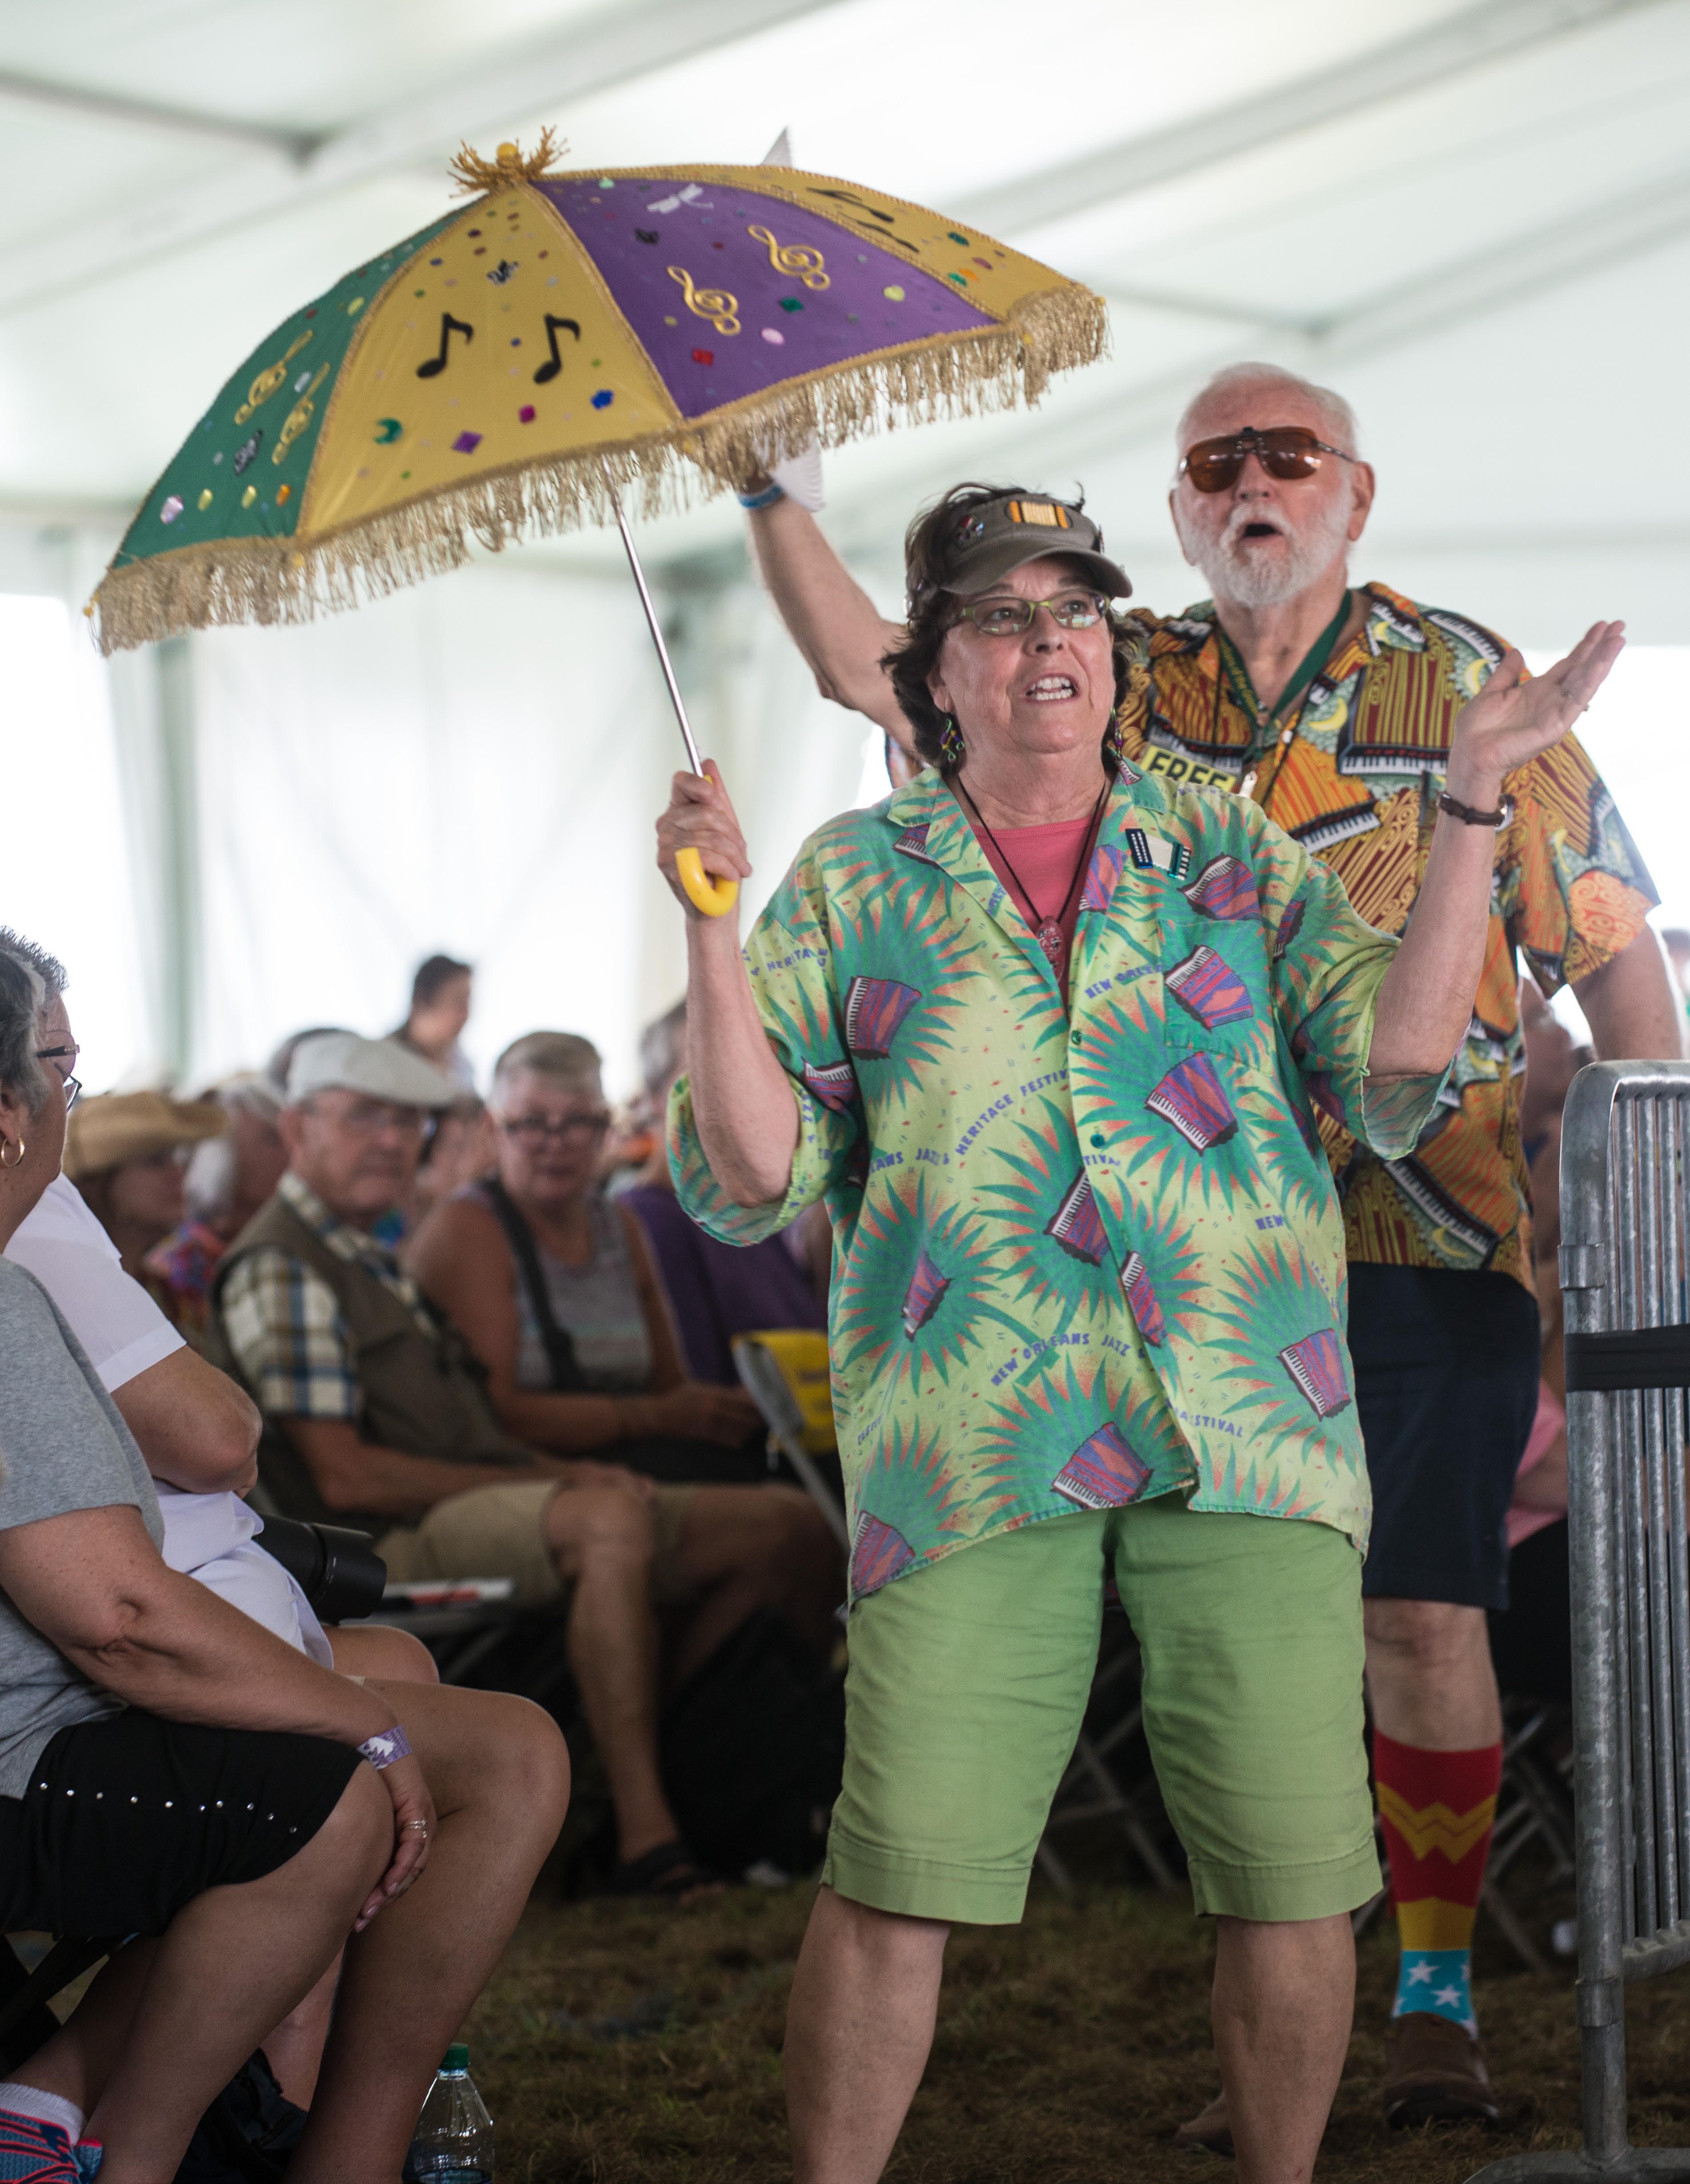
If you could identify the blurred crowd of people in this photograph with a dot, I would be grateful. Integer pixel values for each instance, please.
(346, 1289)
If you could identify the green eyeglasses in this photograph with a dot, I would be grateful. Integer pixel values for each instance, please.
(1009, 617)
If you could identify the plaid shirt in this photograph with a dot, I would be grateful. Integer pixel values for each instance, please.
(284, 1326)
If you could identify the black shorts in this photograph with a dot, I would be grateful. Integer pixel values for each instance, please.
(1532, 1645)
(1446, 1390)
(125, 1820)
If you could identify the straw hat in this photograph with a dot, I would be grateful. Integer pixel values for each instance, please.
(116, 1127)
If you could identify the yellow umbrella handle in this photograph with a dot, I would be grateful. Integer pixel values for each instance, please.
(716, 897)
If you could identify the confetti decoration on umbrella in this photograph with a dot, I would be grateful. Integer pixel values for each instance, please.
(658, 332)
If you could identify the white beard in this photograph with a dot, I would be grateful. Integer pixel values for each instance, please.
(1235, 571)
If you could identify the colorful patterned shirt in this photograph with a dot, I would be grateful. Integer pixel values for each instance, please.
(284, 1325)
(1359, 785)
(1083, 1255)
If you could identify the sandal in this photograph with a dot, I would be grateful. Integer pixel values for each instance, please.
(669, 1873)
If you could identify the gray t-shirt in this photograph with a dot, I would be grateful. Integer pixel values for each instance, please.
(64, 1447)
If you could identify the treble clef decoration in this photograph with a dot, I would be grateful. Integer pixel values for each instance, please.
(793, 258)
(297, 418)
(714, 305)
(269, 380)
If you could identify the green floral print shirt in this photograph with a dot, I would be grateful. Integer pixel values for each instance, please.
(1087, 1254)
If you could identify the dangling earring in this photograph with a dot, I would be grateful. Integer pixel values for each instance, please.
(19, 1161)
(953, 749)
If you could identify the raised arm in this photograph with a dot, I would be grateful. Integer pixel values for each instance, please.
(829, 617)
(1426, 1001)
(1630, 1005)
(742, 1097)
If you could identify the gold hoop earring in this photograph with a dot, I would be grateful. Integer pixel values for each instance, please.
(22, 1150)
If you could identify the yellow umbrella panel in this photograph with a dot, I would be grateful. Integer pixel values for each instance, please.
(560, 336)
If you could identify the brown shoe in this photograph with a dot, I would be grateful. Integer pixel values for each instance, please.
(1212, 2131)
(1435, 2073)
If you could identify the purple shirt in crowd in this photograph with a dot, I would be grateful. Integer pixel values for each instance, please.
(718, 1290)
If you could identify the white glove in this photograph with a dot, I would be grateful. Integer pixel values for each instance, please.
(799, 477)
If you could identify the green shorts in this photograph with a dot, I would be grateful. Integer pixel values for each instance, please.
(967, 1682)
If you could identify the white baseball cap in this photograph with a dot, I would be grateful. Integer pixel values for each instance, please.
(380, 1068)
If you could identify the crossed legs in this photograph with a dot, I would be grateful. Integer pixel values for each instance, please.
(740, 1547)
(168, 2022)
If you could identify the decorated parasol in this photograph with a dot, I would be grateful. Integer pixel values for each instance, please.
(561, 341)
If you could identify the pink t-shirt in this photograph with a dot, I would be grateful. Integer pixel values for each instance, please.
(1044, 859)
(1550, 1420)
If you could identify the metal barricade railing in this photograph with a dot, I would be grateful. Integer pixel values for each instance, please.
(1624, 1258)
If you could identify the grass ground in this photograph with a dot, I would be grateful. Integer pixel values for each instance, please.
(628, 2046)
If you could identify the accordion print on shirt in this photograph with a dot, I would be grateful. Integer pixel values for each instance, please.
(1081, 1256)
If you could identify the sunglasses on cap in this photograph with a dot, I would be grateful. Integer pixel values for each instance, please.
(1284, 451)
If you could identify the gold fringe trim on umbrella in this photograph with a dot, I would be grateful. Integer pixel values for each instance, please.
(286, 581)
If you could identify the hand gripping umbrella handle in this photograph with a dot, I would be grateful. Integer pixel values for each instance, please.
(714, 898)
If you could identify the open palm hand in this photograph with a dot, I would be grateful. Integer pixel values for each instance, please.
(1514, 718)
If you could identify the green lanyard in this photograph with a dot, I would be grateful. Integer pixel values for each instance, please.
(1239, 676)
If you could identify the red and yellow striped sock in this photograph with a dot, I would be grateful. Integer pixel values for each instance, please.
(1437, 1808)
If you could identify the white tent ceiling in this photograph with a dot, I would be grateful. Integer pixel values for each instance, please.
(1476, 217)
(1473, 215)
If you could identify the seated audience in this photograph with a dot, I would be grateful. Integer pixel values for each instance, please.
(461, 1150)
(717, 1290)
(555, 1287)
(227, 1180)
(171, 1771)
(198, 1435)
(376, 1413)
(440, 1000)
(125, 1153)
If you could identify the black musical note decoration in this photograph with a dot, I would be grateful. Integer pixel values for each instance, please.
(448, 327)
(866, 212)
(549, 370)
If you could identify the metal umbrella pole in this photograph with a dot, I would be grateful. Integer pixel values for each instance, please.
(716, 897)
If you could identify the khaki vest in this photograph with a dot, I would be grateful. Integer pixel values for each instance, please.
(424, 1396)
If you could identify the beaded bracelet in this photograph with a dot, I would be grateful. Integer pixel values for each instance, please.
(382, 1751)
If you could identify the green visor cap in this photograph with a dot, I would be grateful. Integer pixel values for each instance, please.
(993, 537)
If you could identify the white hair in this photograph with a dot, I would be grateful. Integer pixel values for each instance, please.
(1337, 418)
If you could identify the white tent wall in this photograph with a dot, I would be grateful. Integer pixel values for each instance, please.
(455, 768)
(476, 766)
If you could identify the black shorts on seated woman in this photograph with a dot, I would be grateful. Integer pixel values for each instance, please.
(127, 1819)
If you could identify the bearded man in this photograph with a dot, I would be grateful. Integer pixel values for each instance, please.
(1332, 706)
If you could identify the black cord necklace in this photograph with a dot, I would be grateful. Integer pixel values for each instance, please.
(1047, 931)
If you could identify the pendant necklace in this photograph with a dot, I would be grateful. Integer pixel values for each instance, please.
(1232, 671)
(1047, 931)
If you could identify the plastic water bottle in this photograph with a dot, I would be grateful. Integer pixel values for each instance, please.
(454, 2136)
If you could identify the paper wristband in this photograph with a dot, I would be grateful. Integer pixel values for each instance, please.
(382, 1751)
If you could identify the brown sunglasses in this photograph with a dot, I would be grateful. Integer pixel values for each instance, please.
(1284, 451)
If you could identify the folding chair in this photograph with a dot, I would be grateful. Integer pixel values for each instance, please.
(785, 1373)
